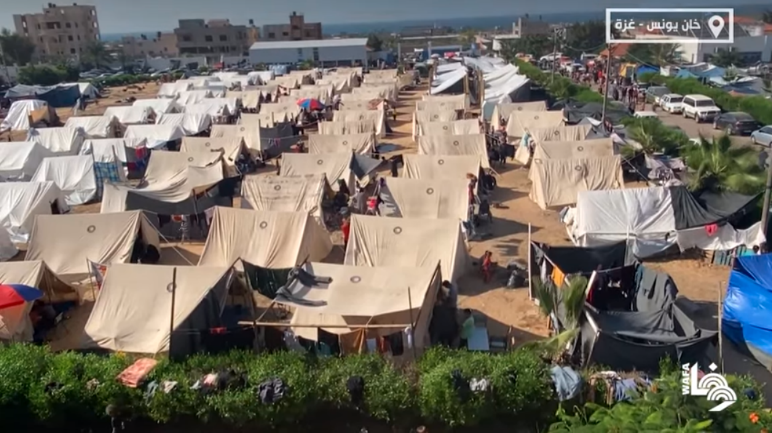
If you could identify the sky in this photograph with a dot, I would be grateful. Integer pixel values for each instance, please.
(124, 16)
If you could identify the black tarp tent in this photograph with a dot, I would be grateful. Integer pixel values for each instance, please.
(56, 96)
(578, 260)
(574, 111)
(630, 322)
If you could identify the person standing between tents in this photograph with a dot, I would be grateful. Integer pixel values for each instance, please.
(345, 228)
(78, 106)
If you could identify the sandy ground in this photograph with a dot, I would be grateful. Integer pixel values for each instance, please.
(508, 311)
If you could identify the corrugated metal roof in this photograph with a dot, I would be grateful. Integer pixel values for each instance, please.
(319, 43)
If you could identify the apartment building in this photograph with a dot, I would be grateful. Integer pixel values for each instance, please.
(60, 30)
(297, 30)
(160, 45)
(212, 39)
(528, 27)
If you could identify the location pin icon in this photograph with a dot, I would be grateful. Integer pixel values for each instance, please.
(716, 24)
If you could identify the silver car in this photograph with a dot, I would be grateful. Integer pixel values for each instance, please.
(762, 136)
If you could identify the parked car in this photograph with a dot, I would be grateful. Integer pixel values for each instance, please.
(655, 93)
(672, 103)
(700, 108)
(736, 123)
(762, 136)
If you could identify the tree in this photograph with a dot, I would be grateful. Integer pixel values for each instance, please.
(96, 54)
(16, 49)
(467, 37)
(717, 166)
(374, 42)
(653, 54)
(572, 297)
(536, 45)
(654, 136)
(767, 17)
(726, 58)
(587, 37)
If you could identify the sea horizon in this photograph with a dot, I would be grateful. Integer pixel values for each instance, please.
(502, 22)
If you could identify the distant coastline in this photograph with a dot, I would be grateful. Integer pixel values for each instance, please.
(502, 22)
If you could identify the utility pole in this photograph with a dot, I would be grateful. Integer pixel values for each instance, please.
(606, 83)
(554, 54)
(767, 193)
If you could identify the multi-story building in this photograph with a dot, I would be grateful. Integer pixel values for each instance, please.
(297, 30)
(162, 45)
(527, 27)
(212, 39)
(59, 30)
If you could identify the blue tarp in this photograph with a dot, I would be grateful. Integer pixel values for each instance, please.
(644, 69)
(63, 95)
(748, 306)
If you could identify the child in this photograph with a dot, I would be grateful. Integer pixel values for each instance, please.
(487, 266)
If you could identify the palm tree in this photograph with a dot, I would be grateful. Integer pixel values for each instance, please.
(572, 298)
(653, 136)
(96, 54)
(726, 58)
(716, 165)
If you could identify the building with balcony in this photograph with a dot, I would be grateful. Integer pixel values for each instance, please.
(325, 53)
(60, 30)
(213, 39)
(160, 45)
(528, 27)
(297, 30)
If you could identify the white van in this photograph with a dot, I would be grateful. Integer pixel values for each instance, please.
(672, 103)
(700, 107)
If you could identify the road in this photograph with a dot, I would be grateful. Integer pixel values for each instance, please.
(694, 129)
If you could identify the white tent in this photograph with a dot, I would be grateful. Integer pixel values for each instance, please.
(62, 141)
(407, 242)
(377, 117)
(133, 311)
(170, 177)
(66, 243)
(87, 90)
(133, 115)
(362, 144)
(521, 121)
(155, 135)
(447, 145)
(74, 175)
(229, 147)
(285, 193)
(22, 201)
(440, 167)
(190, 97)
(210, 107)
(19, 160)
(111, 150)
(268, 239)
(364, 296)
(502, 111)
(94, 126)
(453, 127)
(190, 123)
(335, 166)
(15, 322)
(7, 249)
(173, 90)
(425, 198)
(17, 118)
(159, 106)
(346, 128)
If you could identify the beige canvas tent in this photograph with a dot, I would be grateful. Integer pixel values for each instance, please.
(425, 198)
(133, 311)
(460, 145)
(229, 147)
(377, 117)
(560, 170)
(346, 128)
(335, 166)
(442, 103)
(453, 127)
(282, 111)
(521, 121)
(407, 242)
(249, 98)
(440, 167)
(361, 144)
(285, 193)
(249, 133)
(432, 116)
(67, 242)
(264, 238)
(15, 324)
(502, 111)
(257, 120)
(560, 133)
(365, 296)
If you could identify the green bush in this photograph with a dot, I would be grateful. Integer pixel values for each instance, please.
(560, 87)
(757, 106)
(123, 80)
(47, 75)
